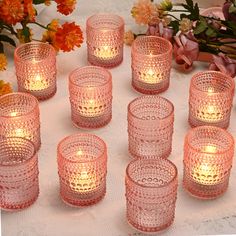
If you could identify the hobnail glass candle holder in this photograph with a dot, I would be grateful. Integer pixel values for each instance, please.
(151, 64)
(19, 173)
(210, 99)
(90, 90)
(82, 169)
(35, 64)
(151, 193)
(105, 36)
(150, 127)
(19, 117)
(208, 156)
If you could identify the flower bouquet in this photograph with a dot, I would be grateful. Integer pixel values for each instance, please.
(192, 34)
(17, 18)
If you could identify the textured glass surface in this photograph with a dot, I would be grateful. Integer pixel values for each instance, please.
(90, 90)
(105, 35)
(19, 173)
(19, 117)
(151, 64)
(210, 99)
(150, 126)
(208, 156)
(82, 168)
(35, 64)
(151, 192)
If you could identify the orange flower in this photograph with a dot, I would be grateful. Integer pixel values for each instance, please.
(65, 6)
(11, 11)
(29, 10)
(49, 35)
(5, 88)
(68, 36)
(143, 11)
(129, 37)
(3, 62)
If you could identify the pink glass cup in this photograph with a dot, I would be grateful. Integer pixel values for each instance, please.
(150, 127)
(105, 36)
(210, 99)
(19, 173)
(35, 64)
(82, 169)
(151, 193)
(208, 156)
(90, 90)
(151, 64)
(19, 117)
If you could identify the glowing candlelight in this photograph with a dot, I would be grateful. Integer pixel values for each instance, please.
(105, 52)
(14, 113)
(37, 83)
(150, 77)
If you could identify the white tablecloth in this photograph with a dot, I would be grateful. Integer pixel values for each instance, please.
(50, 216)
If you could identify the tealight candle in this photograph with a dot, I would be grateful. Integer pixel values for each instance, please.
(208, 156)
(90, 90)
(82, 167)
(151, 64)
(105, 35)
(210, 99)
(36, 69)
(19, 117)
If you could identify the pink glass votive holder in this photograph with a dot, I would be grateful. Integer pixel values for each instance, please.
(19, 117)
(208, 156)
(151, 193)
(150, 127)
(35, 64)
(19, 174)
(105, 40)
(210, 99)
(151, 64)
(90, 90)
(82, 169)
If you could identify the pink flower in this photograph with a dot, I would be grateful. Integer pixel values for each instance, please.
(223, 64)
(186, 50)
(160, 30)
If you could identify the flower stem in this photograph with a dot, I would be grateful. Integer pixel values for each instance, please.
(36, 23)
(172, 16)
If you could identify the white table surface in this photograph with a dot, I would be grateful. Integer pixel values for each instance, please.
(50, 216)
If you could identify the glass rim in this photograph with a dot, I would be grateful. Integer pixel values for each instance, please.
(18, 58)
(5, 139)
(78, 135)
(172, 179)
(199, 75)
(93, 17)
(98, 68)
(33, 98)
(193, 130)
(150, 96)
(139, 38)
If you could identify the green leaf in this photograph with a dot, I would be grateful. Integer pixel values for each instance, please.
(201, 27)
(5, 38)
(189, 3)
(36, 2)
(175, 26)
(183, 15)
(211, 32)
